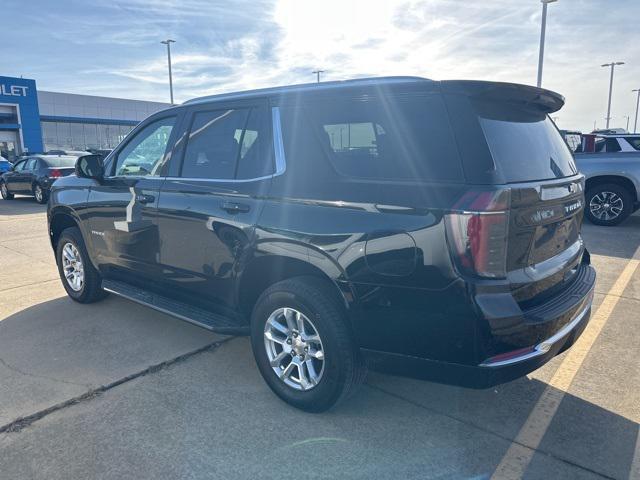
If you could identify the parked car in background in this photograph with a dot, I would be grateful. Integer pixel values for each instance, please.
(612, 182)
(99, 151)
(76, 153)
(5, 165)
(609, 142)
(34, 176)
(428, 229)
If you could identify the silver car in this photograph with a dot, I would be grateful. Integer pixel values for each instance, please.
(612, 183)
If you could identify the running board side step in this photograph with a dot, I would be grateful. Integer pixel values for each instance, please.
(183, 311)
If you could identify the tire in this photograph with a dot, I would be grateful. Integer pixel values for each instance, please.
(40, 194)
(616, 199)
(90, 289)
(342, 368)
(5, 192)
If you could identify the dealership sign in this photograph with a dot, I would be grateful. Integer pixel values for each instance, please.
(13, 90)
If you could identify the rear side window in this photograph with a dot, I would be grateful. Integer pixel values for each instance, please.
(227, 144)
(382, 138)
(525, 145)
(634, 142)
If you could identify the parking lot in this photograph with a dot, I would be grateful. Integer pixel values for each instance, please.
(116, 390)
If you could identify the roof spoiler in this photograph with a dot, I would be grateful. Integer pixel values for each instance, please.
(524, 96)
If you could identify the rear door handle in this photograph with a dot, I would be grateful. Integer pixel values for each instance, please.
(233, 207)
(141, 198)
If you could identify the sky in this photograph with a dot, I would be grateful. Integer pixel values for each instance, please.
(112, 47)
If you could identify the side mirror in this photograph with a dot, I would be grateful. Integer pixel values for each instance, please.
(90, 166)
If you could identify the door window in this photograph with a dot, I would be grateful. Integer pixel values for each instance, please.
(31, 165)
(143, 155)
(19, 166)
(226, 145)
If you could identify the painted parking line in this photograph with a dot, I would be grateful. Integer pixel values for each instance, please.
(519, 455)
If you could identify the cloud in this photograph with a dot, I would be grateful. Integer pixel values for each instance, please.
(111, 47)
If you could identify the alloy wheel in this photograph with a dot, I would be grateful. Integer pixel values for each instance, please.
(38, 193)
(294, 348)
(606, 206)
(5, 192)
(72, 266)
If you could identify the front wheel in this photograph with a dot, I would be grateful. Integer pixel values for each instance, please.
(79, 278)
(39, 194)
(4, 191)
(608, 204)
(303, 345)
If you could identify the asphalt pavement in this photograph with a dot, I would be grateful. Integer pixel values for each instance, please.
(114, 390)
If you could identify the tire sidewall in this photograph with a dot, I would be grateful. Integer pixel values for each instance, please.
(618, 190)
(4, 191)
(336, 366)
(43, 198)
(72, 236)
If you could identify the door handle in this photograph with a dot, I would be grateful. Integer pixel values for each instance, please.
(233, 207)
(141, 198)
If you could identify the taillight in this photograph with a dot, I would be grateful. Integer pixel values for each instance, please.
(477, 230)
(55, 173)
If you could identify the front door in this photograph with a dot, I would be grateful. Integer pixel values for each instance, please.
(13, 177)
(209, 206)
(122, 208)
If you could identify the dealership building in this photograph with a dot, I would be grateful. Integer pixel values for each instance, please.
(33, 121)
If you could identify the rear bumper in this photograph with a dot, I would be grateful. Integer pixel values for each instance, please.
(502, 368)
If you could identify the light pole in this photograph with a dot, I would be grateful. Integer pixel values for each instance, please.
(627, 117)
(635, 124)
(612, 65)
(543, 29)
(168, 43)
(318, 72)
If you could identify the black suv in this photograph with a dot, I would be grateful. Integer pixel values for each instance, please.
(428, 229)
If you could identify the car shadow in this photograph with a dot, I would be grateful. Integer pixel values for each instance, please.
(392, 427)
(20, 205)
(620, 241)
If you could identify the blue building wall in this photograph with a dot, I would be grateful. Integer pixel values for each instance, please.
(22, 91)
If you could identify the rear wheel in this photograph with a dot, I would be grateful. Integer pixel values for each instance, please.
(4, 191)
(39, 194)
(608, 204)
(303, 346)
(79, 278)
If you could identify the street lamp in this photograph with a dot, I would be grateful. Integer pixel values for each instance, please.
(635, 124)
(318, 72)
(543, 29)
(627, 117)
(612, 65)
(168, 43)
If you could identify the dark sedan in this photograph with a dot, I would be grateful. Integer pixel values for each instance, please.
(34, 176)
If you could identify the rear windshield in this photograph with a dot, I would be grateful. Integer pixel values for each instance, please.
(60, 162)
(394, 137)
(525, 145)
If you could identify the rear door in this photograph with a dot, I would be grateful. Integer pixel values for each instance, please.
(212, 199)
(122, 208)
(28, 175)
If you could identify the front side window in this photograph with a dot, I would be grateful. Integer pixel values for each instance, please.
(143, 155)
(226, 144)
(19, 166)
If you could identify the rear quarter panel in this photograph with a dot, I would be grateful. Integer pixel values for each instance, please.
(619, 164)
